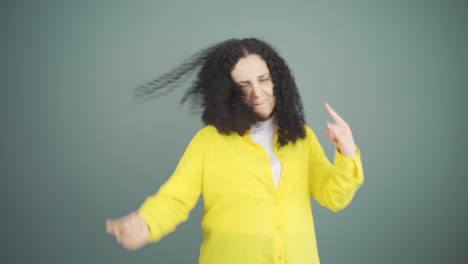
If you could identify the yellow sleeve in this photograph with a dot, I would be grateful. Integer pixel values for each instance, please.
(333, 185)
(172, 204)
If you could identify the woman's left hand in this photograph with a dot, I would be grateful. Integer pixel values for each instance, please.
(340, 133)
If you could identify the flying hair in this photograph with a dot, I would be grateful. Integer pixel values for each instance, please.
(221, 99)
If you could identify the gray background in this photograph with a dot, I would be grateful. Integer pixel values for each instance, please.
(75, 148)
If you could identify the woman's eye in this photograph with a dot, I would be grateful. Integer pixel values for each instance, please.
(264, 80)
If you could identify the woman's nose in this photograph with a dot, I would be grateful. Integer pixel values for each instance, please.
(256, 91)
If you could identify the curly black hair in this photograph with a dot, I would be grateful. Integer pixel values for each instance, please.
(221, 98)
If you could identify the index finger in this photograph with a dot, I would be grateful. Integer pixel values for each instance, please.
(334, 115)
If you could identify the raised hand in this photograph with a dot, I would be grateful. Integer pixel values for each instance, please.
(130, 231)
(340, 133)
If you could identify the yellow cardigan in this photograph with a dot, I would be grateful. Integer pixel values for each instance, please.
(245, 218)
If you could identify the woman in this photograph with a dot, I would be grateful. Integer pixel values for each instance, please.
(255, 163)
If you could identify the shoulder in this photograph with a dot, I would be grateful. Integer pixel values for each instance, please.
(206, 132)
(309, 131)
(311, 137)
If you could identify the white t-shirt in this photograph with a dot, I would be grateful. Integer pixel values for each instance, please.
(263, 133)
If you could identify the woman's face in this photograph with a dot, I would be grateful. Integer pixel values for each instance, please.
(252, 75)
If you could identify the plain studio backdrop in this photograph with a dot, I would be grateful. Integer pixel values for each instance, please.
(76, 149)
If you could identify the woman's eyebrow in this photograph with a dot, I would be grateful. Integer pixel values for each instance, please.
(243, 82)
(260, 76)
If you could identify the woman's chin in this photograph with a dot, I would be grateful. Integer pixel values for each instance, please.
(264, 116)
(263, 113)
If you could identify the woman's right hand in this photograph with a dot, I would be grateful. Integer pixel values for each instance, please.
(131, 231)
